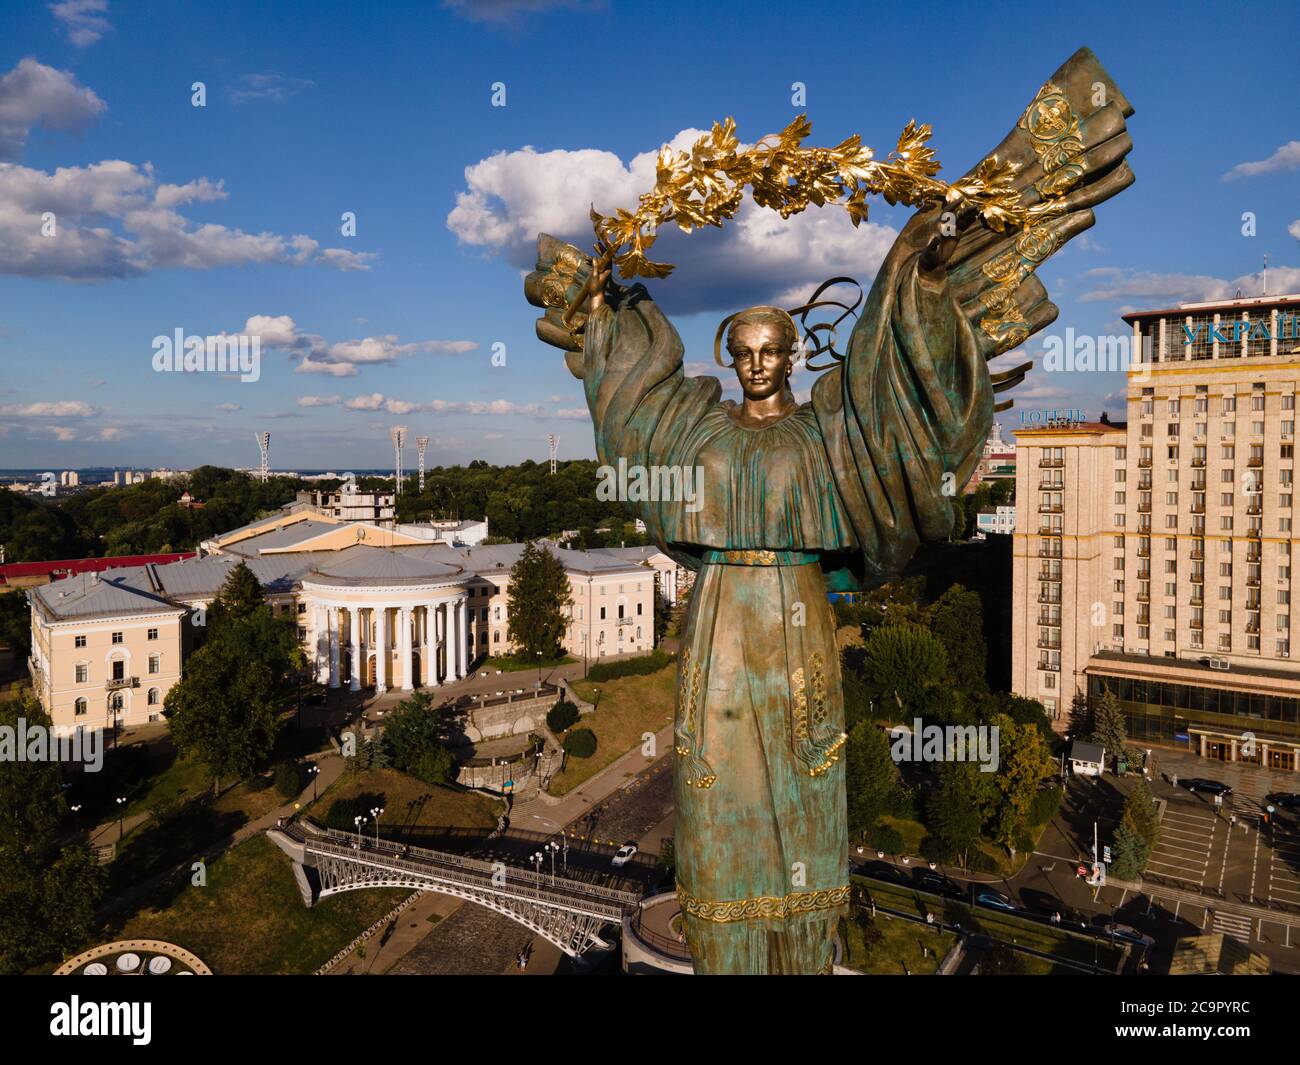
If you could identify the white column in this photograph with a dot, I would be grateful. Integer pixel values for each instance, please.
(334, 618)
(381, 649)
(354, 628)
(404, 615)
(462, 639)
(321, 640)
(429, 660)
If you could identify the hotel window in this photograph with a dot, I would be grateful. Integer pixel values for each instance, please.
(1171, 612)
(638, 609)
(155, 663)
(1225, 569)
(1173, 406)
(302, 632)
(1119, 586)
(1121, 476)
(1121, 453)
(1229, 452)
(1202, 405)
(1229, 404)
(1120, 498)
(1049, 680)
(1288, 428)
(1225, 522)
(1171, 429)
(1171, 565)
(1225, 499)
(1171, 635)
(602, 613)
(83, 673)
(1283, 597)
(1283, 648)
(1284, 525)
(1257, 428)
(302, 608)
(1225, 617)
(1288, 451)
(1225, 642)
(80, 641)
(152, 634)
(1225, 592)
(1288, 402)
(496, 636)
(79, 707)
(1119, 542)
(1200, 428)
(117, 637)
(1171, 499)
(1226, 475)
(154, 698)
(1256, 402)
(1171, 588)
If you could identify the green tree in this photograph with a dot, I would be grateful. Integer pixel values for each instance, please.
(16, 624)
(581, 743)
(956, 809)
(1140, 812)
(957, 619)
(538, 597)
(49, 885)
(871, 778)
(415, 732)
(1108, 726)
(1130, 853)
(561, 716)
(1023, 762)
(225, 708)
(905, 670)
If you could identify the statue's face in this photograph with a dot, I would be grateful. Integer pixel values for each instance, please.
(763, 355)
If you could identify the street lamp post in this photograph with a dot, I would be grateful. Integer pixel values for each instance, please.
(359, 820)
(536, 859)
(552, 847)
(121, 817)
(314, 770)
(377, 813)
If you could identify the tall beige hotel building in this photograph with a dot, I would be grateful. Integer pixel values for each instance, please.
(1154, 558)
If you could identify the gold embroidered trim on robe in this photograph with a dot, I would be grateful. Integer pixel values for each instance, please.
(765, 907)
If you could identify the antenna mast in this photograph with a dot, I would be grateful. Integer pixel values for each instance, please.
(554, 442)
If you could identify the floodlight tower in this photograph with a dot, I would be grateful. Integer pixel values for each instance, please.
(264, 446)
(554, 442)
(398, 434)
(421, 442)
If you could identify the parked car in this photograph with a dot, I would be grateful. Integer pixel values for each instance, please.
(1128, 934)
(987, 896)
(1205, 784)
(885, 871)
(1287, 800)
(936, 883)
(624, 854)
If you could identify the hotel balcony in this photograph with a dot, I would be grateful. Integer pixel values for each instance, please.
(1255, 461)
(1198, 554)
(1198, 508)
(1050, 597)
(1255, 508)
(1049, 550)
(1252, 582)
(1049, 575)
(1051, 464)
(1049, 644)
(1044, 663)
(1144, 464)
(1050, 486)
(120, 683)
(1196, 623)
(1046, 617)
(1144, 552)
(1198, 484)
(1144, 597)
(1051, 508)
(1049, 530)
(1198, 464)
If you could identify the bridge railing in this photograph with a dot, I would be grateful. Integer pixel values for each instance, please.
(472, 872)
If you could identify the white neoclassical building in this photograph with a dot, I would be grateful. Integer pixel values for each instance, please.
(377, 608)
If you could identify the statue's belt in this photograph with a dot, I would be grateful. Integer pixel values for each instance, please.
(758, 557)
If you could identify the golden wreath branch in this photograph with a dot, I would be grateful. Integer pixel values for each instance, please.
(706, 186)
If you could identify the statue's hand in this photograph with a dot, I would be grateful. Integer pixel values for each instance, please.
(956, 217)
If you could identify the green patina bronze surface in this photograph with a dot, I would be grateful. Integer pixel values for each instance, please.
(837, 495)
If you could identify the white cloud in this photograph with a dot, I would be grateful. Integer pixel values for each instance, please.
(512, 196)
(33, 93)
(82, 20)
(1285, 158)
(509, 12)
(108, 434)
(340, 358)
(576, 414)
(319, 401)
(227, 408)
(62, 408)
(376, 401)
(1294, 229)
(1116, 283)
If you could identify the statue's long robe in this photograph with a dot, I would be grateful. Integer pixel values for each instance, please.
(836, 495)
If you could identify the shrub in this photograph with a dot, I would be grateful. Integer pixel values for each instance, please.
(1044, 805)
(886, 838)
(561, 716)
(342, 812)
(288, 781)
(581, 743)
(630, 667)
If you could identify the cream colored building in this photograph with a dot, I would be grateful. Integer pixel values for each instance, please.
(375, 609)
(1154, 558)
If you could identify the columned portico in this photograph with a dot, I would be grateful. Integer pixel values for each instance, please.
(409, 591)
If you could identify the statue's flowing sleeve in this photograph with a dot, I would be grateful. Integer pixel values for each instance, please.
(641, 401)
(904, 418)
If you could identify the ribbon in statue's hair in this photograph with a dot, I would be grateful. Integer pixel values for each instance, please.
(817, 337)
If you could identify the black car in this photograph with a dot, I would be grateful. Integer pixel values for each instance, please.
(884, 871)
(936, 884)
(1286, 800)
(1210, 787)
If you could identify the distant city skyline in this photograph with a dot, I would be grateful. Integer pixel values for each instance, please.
(359, 205)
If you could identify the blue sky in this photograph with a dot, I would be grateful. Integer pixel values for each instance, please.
(171, 216)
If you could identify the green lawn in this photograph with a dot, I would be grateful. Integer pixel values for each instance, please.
(626, 709)
(409, 802)
(250, 919)
(511, 664)
(900, 949)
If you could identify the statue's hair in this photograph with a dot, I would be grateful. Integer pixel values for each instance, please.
(783, 319)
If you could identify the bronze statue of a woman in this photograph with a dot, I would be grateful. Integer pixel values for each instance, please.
(831, 495)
